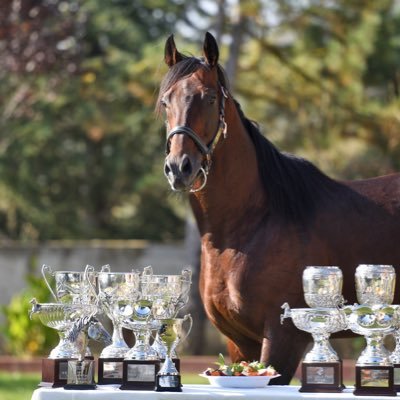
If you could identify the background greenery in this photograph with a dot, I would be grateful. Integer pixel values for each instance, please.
(81, 151)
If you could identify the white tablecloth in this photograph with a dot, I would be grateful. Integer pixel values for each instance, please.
(195, 392)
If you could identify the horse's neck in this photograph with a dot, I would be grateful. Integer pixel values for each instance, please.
(233, 195)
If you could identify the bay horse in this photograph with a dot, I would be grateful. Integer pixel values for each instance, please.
(263, 215)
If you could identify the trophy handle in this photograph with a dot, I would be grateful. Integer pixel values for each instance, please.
(286, 312)
(47, 268)
(92, 288)
(187, 317)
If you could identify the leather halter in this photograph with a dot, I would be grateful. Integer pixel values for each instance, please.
(206, 149)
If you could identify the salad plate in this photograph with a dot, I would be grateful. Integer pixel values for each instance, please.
(239, 381)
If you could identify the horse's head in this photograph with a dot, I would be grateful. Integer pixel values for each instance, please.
(193, 96)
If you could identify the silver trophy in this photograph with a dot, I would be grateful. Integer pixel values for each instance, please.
(171, 295)
(60, 317)
(374, 318)
(171, 333)
(141, 362)
(321, 367)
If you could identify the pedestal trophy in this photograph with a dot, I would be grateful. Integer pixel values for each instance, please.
(321, 367)
(171, 333)
(141, 363)
(374, 318)
(172, 295)
(61, 318)
(117, 293)
(74, 299)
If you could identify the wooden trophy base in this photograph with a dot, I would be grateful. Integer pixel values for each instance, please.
(168, 383)
(139, 374)
(54, 372)
(374, 381)
(110, 371)
(322, 377)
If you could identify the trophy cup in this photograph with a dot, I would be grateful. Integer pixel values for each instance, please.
(141, 363)
(70, 286)
(61, 318)
(321, 367)
(117, 292)
(172, 294)
(170, 333)
(374, 318)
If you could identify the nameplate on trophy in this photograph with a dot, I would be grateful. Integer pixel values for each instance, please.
(320, 375)
(112, 369)
(374, 377)
(141, 372)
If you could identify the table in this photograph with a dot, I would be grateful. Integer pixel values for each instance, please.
(194, 392)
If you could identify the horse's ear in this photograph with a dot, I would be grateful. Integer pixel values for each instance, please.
(210, 50)
(171, 54)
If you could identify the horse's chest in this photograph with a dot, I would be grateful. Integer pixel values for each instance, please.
(224, 284)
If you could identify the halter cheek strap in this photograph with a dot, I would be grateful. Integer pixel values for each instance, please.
(206, 149)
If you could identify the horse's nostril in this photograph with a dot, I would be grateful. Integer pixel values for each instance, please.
(167, 169)
(186, 166)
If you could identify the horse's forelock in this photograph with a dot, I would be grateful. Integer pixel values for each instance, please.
(181, 70)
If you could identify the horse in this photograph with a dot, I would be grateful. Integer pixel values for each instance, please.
(263, 215)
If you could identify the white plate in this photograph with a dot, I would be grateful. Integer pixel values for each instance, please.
(239, 381)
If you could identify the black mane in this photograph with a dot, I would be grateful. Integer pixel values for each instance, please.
(294, 186)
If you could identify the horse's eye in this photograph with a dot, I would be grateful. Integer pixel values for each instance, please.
(212, 99)
(163, 103)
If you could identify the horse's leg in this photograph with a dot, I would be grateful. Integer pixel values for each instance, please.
(284, 351)
(250, 351)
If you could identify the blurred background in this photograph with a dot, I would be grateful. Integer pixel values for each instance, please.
(81, 151)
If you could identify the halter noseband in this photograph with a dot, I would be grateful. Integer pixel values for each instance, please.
(206, 149)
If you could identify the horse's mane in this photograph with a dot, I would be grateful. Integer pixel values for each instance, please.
(294, 186)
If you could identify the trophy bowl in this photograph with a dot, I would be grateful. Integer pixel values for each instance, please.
(322, 286)
(374, 323)
(375, 284)
(60, 317)
(321, 323)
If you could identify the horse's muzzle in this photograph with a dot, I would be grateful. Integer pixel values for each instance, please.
(180, 172)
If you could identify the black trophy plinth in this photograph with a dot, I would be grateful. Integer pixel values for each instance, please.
(374, 381)
(168, 383)
(54, 372)
(139, 374)
(322, 377)
(110, 371)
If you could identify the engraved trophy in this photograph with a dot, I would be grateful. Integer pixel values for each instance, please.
(374, 318)
(60, 317)
(170, 333)
(321, 367)
(117, 292)
(141, 363)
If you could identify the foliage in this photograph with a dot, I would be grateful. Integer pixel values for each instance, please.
(23, 336)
